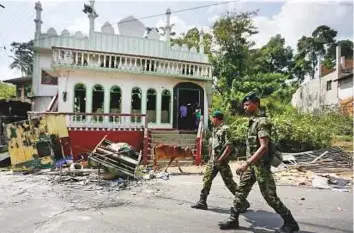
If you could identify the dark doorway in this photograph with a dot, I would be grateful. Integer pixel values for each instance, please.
(186, 96)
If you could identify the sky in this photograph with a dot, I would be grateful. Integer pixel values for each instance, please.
(290, 18)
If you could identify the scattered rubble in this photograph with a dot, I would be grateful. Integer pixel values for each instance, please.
(319, 169)
(119, 156)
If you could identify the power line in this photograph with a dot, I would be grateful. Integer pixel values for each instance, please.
(152, 16)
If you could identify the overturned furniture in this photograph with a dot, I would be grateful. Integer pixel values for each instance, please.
(119, 156)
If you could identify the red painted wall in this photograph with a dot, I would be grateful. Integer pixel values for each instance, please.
(86, 141)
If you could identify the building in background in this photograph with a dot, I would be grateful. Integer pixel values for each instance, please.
(118, 84)
(23, 88)
(332, 89)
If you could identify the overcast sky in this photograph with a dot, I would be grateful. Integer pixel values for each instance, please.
(291, 19)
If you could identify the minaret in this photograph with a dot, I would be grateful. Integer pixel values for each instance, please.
(92, 16)
(168, 25)
(201, 41)
(38, 19)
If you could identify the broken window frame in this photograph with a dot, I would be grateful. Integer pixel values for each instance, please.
(166, 94)
(76, 107)
(95, 90)
(115, 90)
(151, 93)
(136, 91)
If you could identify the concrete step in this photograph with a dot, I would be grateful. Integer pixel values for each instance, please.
(174, 132)
(169, 136)
(192, 146)
(176, 140)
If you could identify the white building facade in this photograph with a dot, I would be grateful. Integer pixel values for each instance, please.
(125, 73)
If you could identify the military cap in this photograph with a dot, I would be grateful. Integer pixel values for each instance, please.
(218, 114)
(252, 96)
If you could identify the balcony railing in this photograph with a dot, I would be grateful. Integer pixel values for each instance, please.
(97, 120)
(120, 62)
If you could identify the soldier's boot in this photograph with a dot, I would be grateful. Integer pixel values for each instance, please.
(290, 225)
(245, 207)
(231, 222)
(201, 204)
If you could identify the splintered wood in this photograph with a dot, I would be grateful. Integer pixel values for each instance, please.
(119, 156)
(300, 168)
(325, 160)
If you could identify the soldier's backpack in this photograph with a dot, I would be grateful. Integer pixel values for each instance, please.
(277, 157)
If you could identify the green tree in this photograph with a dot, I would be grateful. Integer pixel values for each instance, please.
(274, 57)
(311, 48)
(346, 51)
(23, 59)
(7, 90)
(192, 39)
(232, 33)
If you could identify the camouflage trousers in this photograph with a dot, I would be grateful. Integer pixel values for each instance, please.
(211, 172)
(262, 174)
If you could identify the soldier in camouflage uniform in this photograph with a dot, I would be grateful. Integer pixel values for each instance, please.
(257, 168)
(220, 149)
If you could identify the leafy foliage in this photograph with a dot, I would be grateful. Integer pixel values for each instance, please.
(7, 90)
(23, 59)
(232, 33)
(274, 57)
(346, 50)
(192, 39)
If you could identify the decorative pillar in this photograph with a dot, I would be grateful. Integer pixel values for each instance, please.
(36, 83)
(92, 16)
(158, 106)
(201, 41)
(89, 102)
(38, 19)
(107, 99)
(143, 101)
(168, 25)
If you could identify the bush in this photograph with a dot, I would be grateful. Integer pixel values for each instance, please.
(294, 132)
(299, 132)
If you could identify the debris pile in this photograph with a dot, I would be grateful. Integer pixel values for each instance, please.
(320, 160)
(320, 169)
(119, 156)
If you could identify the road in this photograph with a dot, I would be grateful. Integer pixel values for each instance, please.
(34, 204)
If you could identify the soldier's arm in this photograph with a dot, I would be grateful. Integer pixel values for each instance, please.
(227, 145)
(264, 129)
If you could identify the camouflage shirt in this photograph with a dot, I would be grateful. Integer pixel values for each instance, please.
(221, 137)
(258, 127)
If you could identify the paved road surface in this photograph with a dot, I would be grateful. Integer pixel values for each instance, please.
(32, 204)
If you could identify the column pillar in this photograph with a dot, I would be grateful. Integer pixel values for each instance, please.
(144, 104)
(126, 104)
(158, 106)
(107, 99)
(88, 102)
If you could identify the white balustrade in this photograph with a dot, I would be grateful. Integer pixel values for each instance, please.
(92, 120)
(80, 58)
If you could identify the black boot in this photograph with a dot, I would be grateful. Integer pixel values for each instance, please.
(201, 204)
(290, 225)
(231, 222)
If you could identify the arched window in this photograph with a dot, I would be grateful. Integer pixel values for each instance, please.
(136, 103)
(79, 98)
(115, 104)
(151, 106)
(97, 101)
(166, 106)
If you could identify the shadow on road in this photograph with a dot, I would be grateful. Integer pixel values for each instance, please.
(258, 219)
